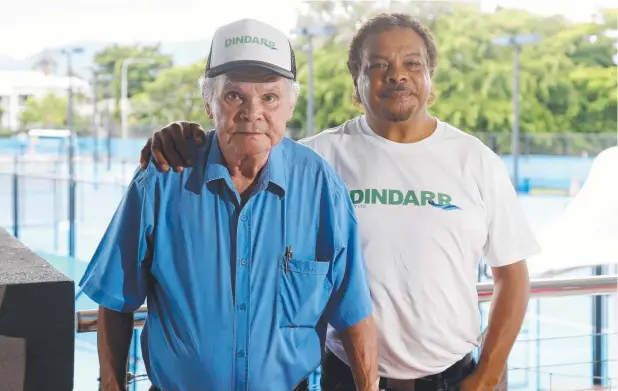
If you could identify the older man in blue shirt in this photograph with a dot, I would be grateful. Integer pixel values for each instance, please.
(245, 257)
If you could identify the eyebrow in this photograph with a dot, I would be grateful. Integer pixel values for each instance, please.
(267, 89)
(381, 57)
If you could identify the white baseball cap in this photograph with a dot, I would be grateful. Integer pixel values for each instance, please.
(249, 42)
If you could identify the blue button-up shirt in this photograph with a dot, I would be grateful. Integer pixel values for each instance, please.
(227, 310)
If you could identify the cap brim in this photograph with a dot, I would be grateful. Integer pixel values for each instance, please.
(235, 65)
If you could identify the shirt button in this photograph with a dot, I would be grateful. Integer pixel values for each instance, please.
(242, 307)
(243, 217)
(243, 261)
(241, 353)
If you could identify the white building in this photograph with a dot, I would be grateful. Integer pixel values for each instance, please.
(17, 86)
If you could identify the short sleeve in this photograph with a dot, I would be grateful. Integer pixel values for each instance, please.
(351, 300)
(117, 275)
(509, 236)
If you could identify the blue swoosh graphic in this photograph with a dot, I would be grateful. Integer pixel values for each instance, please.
(444, 206)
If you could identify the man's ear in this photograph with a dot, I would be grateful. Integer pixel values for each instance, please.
(356, 94)
(208, 110)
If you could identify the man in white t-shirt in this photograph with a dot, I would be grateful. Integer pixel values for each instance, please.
(431, 201)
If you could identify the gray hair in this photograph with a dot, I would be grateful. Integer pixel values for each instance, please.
(211, 87)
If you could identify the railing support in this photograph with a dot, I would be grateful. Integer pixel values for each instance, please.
(599, 341)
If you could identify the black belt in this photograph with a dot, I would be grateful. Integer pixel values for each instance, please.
(456, 371)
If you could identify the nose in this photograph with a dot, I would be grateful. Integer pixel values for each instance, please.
(396, 74)
(251, 110)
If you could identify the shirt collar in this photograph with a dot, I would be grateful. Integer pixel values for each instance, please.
(274, 171)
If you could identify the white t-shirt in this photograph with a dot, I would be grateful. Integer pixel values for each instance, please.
(427, 213)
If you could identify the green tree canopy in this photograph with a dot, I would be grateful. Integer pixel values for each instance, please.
(173, 95)
(567, 81)
(108, 63)
(50, 111)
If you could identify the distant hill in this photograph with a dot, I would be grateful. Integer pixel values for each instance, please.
(183, 53)
(8, 63)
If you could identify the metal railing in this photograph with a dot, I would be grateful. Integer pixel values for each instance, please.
(87, 320)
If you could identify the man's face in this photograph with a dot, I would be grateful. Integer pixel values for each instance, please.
(251, 111)
(394, 81)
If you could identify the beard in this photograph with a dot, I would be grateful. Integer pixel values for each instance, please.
(399, 115)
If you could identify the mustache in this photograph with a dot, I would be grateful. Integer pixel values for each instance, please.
(399, 88)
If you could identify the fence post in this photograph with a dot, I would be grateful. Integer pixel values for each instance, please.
(15, 197)
(599, 342)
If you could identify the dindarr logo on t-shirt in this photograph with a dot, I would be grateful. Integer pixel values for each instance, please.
(363, 197)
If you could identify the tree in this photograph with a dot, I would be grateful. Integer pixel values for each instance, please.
(333, 90)
(50, 112)
(109, 67)
(172, 95)
(567, 81)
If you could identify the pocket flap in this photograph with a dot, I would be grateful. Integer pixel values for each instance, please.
(306, 267)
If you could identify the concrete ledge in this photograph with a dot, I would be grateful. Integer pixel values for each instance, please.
(37, 327)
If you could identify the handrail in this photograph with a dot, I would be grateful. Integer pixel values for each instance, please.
(86, 320)
(82, 179)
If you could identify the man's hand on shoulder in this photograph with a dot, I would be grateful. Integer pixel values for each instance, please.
(170, 147)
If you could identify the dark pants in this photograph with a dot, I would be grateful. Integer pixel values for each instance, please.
(337, 376)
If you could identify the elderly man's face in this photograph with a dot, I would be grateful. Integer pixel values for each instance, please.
(394, 80)
(251, 111)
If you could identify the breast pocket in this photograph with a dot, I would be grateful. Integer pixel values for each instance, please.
(304, 290)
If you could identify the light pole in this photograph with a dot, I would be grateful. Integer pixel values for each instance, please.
(310, 33)
(95, 121)
(68, 53)
(125, 90)
(516, 42)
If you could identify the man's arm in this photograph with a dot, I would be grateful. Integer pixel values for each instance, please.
(115, 330)
(509, 239)
(507, 312)
(361, 346)
(117, 277)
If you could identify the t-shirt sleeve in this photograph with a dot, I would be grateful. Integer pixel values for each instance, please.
(350, 301)
(117, 275)
(509, 236)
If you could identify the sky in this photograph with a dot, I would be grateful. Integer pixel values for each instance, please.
(28, 26)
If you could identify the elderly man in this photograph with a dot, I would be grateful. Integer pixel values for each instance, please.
(431, 202)
(245, 258)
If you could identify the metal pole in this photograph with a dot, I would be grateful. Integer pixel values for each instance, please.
(310, 88)
(124, 92)
(599, 343)
(95, 128)
(538, 344)
(134, 357)
(515, 135)
(15, 196)
(124, 99)
(71, 160)
(108, 125)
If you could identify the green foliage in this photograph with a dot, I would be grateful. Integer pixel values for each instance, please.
(109, 68)
(333, 94)
(50, 112)
(173, 95)
(567, 81)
